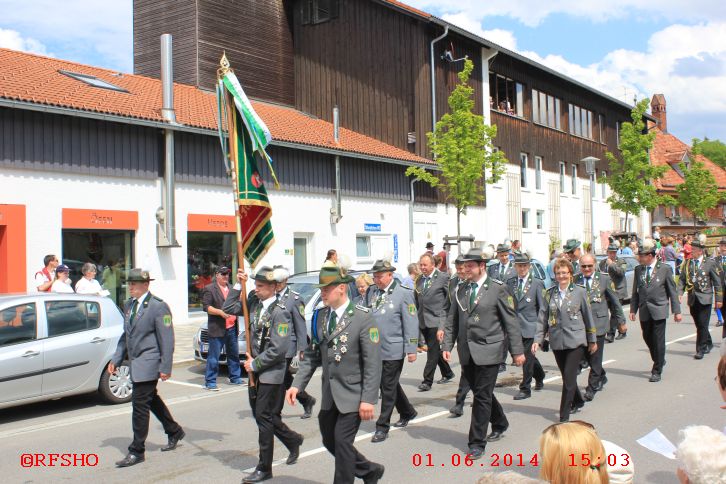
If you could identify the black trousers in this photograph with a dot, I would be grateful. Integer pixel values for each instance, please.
(654, 337)
(463, 389)
(302, 396)
(266, 411)
(614, 324)
(531, 368)
(568, 361)
(392, 395)
(339, 430)
(482, 379)
(701, 315)
(434, 357)
(145, 398)
(597, 372)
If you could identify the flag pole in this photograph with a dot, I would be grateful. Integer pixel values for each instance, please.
(233, 156)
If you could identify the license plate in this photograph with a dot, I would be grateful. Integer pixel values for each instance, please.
(205, 347)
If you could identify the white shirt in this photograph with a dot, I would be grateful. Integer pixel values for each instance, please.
(41, 278)
(652, 267)
(563, 294)
(267, 302)
(63, 287)
(85, 286)
(339, 312)
(140, 300)
(480, 283)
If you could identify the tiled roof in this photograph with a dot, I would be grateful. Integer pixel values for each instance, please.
(408, 8)
(669, 150)
(36, 79)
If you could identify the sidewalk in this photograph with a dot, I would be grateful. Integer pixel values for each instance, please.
(184, 332)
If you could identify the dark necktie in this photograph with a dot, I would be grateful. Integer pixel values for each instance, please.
(333, 322)
(134, 307)
(520, 289)
(501, 271)
(588, 284)
(427, 282)
(472, 296)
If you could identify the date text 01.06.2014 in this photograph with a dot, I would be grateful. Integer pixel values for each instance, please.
(465, 460)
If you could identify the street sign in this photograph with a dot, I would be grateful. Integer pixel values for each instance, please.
(395, 247)
(372, 227)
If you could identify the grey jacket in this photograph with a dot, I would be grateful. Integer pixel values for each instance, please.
(394, 311)
(529, 304)
(483, 330)
(148, 343)
(703, 284)
(603, 301)
(616, 271)
(493, 271)
(651, 299)
(299, 334)
(568, 324)
(350, 358)
(432, 303)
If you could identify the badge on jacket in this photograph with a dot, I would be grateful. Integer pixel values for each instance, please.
(373, 333)
(167, 320)
(283, 329)
(412, 309)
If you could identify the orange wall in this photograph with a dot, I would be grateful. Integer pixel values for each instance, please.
(13, 264)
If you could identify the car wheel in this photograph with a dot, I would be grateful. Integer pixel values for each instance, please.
(116, 388)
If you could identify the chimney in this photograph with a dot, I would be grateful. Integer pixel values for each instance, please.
(658, 109)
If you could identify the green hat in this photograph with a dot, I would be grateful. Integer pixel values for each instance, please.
(382, 266)
(722, 241)
(613, 247)
(265, 274)
(332, 276)
(521, 258)
(502, 248)
(138, 275)
(474, 255)
(571, 245)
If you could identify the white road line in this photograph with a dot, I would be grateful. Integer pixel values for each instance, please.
(686, 337)
(186, 384)
(555, 378)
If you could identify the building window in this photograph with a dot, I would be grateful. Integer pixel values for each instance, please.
(580, 122)
(538, 172)
(574, 179)
(506, 95)
(546, 109)
(562, 177)
(523, 170)
(318, 11)
(205, 252)
(604, 186)
(525, 218)
(363, 246)
(540, 219)
(601, 127)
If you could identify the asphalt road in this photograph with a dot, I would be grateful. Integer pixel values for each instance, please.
(221, 442)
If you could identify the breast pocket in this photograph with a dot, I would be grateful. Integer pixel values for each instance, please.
(353, 379)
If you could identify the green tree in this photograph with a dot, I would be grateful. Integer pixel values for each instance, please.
(631, 180)
(713, 149)
(463, 149)
(699, 192)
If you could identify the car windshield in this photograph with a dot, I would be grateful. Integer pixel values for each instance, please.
(304, 288)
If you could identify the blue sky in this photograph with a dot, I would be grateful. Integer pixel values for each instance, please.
(621, 47)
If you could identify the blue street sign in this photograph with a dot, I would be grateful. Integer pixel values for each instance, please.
(372, 227)
(395, 247)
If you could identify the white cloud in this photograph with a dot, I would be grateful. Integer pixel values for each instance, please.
(11, 39)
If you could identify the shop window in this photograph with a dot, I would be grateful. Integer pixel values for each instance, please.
(205, 252)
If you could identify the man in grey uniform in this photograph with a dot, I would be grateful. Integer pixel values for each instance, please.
(148, 343)
(394, 311)
(615, 268)
(604, 305)
(346, 343)
(432, 302)
(298, 336)
(504, 270)
(528, 293)
(573, 252)
(484, 318)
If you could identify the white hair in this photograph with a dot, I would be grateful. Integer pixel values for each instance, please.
(280, 274)
(488, 252)
(701, 453)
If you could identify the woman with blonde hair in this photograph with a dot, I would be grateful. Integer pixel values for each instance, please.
(572, 453)
(362, 282)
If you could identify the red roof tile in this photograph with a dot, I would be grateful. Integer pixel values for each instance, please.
(413, 10)
(35, 79)
(669, 150)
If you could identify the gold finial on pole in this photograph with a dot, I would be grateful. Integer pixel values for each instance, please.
(223, 65)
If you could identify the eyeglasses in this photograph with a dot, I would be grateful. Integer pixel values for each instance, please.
(586, 266)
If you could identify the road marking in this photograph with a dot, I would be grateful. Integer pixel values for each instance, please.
(559, 377)
(186, 384)
(686, 337)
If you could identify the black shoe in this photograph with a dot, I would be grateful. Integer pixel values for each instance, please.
(564, 420)
(308, 408)
(576, 408)
(539, 385)
(475, 453)
(495, 435)
(708, 348)
(654, 377)
(522, 395)
(257, 476)
(446, 379)
(602, 383)
(294, 452)
(502, 367)
(174, 440)
(589, 395)
(457, 410)
(698, 356)
(375, 475)
(402, 422)
(621, 335)
(379, 436)
(609, 338)
(424, 387)
(131, 460)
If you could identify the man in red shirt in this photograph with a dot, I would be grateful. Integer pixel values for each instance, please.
(687, 249)
(44, 278)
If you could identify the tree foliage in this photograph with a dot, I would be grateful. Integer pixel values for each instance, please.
(631, 180)
(713, 149)
(699, 191)
(463, 149)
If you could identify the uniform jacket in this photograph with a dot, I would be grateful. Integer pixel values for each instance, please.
(350, 357)
(148, 342)
(493, 272)
(432, 303)
(528, 303)
(568, 324)
(603, 301)
(651, 299)
(394, 311)
(483, 330)
(702, 284)
(299, 331)
(616, 271)
(212, 296)
(721, 260)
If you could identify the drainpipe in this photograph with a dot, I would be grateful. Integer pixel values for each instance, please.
(410, 220)
(166, 236)
(433, 79)
(336, 210)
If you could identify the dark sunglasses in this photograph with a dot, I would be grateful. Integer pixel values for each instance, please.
(586, 266)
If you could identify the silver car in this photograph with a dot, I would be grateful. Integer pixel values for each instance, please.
(56, 345)
(200, 344)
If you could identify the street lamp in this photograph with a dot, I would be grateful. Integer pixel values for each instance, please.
(590, 162)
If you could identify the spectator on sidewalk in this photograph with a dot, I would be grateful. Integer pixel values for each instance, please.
(362, 283)
(62, 282)
(701, 453)
(413, 273)
(44, 278)
(222, 329)
(331, 258)
(88, 283)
